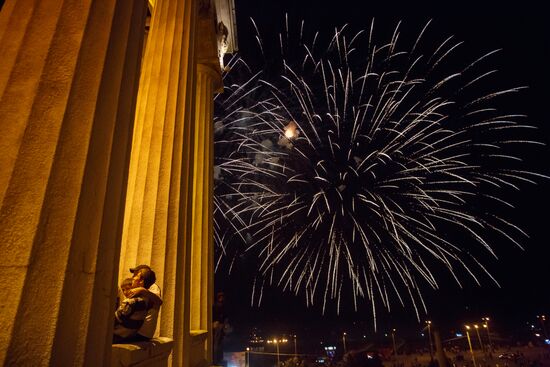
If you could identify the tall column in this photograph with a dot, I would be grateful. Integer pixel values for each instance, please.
(153, 141)
(68, 82)
(202, 259)
(158, 216)
(202, 199)
(202, 262)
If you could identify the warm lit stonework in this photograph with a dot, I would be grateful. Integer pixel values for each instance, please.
(106, 155)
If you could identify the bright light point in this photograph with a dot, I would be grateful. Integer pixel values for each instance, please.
(291, 130)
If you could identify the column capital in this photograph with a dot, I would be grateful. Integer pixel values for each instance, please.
(207, 43)
(214, 72)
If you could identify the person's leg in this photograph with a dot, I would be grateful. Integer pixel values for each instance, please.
(220, 347)
(130, 339)
(141, 338)
(217, 344)
(117, 339)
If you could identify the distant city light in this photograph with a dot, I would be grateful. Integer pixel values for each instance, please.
(458, 335)
(330, 350)
(547, 341)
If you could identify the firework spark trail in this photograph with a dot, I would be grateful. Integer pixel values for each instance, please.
(388, 171)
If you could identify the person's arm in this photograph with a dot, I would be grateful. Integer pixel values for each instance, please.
(138, 291)
(142, 292)
(123, 314)
(124, 310)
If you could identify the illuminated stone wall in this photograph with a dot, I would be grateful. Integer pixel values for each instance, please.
(98, 175)
(68, 81)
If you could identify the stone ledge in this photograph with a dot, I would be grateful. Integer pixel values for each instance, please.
(199, 348)
(153, 353)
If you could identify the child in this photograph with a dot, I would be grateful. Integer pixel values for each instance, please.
(123, 291)
(130, 315)
(125, 287)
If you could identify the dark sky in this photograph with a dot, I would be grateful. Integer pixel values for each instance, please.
(523, 275)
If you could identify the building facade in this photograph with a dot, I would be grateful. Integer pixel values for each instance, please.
(106, 155)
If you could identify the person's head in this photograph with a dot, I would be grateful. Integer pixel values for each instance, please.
(220, 297)
(125, 286)
(139, 267)
(144, 277)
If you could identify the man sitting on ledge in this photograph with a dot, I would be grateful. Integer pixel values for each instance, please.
(136, 317)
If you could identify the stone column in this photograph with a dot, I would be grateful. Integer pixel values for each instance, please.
(202, 253)
(158, 215)
(68, 80)
(153, 142)
(202, 261)
(202, 242)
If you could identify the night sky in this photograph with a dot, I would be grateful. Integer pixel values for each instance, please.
(523, 275)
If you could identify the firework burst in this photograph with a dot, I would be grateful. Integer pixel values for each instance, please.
(356, 167)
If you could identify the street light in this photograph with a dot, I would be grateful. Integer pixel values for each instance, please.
(277, 342)
(393, 339)
(247, 357)
(486, 326)
(542, 319)
(295, 348)
(278, 357)
(478, 337)
(344, 342)
(429, 323)
(470, 344)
